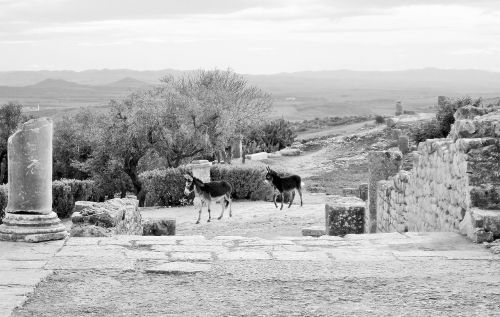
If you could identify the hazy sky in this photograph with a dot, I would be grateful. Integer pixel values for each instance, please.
(249, 36)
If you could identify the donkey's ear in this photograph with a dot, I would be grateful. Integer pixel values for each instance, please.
(268, 169)
(188, 177)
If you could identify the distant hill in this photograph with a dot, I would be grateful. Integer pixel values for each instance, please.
(129, 82)
(298, 95)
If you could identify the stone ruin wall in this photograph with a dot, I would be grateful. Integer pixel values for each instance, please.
(454, 184)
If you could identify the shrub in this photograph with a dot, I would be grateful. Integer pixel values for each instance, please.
(379, 119)
(66, 191)
(446, 111)
(165, 187)
(272, 136)
(427, 130)
(3, 200)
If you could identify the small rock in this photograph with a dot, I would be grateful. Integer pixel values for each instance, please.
(159, 227)
(315, 231)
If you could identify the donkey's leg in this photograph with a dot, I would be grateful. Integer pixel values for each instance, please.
(282, 198)
(199, 214)
(300, 194)
(291, 200)
(208, 203)
(223, 204)
(274, 199)
(230, 206)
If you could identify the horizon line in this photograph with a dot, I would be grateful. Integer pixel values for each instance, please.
(242, 73)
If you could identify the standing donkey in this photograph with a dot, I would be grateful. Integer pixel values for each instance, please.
(208, 192)
(284, 184)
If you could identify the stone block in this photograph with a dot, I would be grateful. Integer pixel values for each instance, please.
(404, 144)
(344, 215)
(121, 216)
(315, 231)
(363, 191)
(350, 192)
(290, 152)
(257, 156)
(159, 227)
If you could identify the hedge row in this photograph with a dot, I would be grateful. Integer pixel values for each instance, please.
(66, 191)
(165, 187)
(64, 194)
(3, 200)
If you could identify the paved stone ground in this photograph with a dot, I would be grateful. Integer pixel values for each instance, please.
(390, 274)
(22, 266)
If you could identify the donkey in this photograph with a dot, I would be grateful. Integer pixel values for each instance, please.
(284, 184)
(208, 192)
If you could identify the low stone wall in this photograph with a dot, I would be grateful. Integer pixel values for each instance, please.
(450, 178)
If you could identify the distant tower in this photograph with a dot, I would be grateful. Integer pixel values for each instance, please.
(399, 108)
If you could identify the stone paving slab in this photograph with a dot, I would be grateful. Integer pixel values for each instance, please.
(22, 266)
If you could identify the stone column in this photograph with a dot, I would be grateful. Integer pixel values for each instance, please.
(29, 216)
(237, 148)
(404, 144)
(201, 169)
(399, 108)
(381, 165)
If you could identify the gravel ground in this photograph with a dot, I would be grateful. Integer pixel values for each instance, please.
(271, 288)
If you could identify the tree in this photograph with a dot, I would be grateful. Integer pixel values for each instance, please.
(72, 144)
(10, 118)
(177, 121)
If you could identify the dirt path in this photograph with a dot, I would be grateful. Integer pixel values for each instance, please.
(250, 218)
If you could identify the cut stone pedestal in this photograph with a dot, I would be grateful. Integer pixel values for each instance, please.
(32, 228)
(29, 216)
(344, 215)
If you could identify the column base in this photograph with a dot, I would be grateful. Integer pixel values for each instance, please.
(32, 228)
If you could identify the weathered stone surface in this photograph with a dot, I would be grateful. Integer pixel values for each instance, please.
(404, 144)
(201, 169)
(179, 268)
(348, 191)
(30, 168)
(120, 216)
(159, 227)
(257, 156)
(381, 165)
(29, 210)
(32, 227)
(237, 148)
(88, 230)
(453, 184)
(290, 152)
(314, 231)
(363, 191)
(344, 215)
